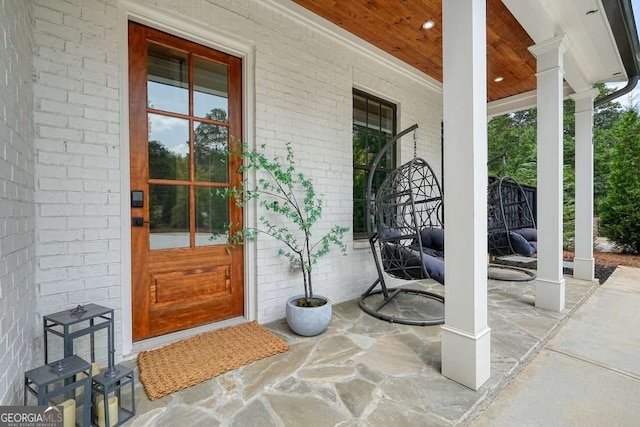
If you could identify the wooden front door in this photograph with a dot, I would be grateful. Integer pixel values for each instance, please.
(185, 106)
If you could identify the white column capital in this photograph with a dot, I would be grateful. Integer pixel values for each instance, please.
(584, 100)
(549, 55)
(559, 44)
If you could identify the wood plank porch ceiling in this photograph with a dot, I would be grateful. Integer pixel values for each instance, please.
(395, 26)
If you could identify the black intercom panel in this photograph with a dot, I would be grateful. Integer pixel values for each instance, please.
(137, 199)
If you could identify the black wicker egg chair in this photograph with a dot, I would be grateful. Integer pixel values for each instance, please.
(511, 228)
(405, 219)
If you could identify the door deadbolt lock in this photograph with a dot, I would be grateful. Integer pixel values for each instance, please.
(138, 221)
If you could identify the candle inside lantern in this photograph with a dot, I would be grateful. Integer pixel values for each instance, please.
(113, 412)
(69, 413)
(95, 370)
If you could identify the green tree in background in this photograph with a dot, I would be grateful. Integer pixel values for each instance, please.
(513, 150)
(512, 146)
(620, 209)
(604, 121)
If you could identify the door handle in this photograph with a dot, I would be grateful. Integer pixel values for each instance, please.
(138, 221)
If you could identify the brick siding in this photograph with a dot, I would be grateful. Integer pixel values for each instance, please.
(17, 211)
(77, 159)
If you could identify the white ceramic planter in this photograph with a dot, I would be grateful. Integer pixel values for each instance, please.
(308, 321)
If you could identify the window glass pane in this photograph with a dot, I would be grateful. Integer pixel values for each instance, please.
(359, 200)
(168, 147)
(212, 218)
(376, 142)
(359, 145)
(359, 111)
(360, 178)
(169, 216)
(210, 144)
(387, 159)
(387, 120)
(210, 90)
(373, 115)
(167, 79)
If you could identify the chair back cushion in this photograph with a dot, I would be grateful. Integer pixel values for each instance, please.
(432, 238)
(530, 234)
(520, 245)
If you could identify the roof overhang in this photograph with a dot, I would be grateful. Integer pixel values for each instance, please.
(595, 30)
(593, 55)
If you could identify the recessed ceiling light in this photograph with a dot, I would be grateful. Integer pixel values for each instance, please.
(428, 25)
(498, 79)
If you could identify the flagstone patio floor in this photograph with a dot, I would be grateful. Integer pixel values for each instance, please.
(367, 372)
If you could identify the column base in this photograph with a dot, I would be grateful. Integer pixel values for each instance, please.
(466, 359)
(583, 268)
(550, 295)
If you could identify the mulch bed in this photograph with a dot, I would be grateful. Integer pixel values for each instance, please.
(602, 272)
(606, 262)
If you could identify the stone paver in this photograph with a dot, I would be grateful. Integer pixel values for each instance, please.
(296, 411)
(365, 372)
(356, 395)
(255, 414)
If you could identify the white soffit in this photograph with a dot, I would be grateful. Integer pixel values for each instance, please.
(592, 55)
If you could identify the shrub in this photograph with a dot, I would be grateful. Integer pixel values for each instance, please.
(620, 210)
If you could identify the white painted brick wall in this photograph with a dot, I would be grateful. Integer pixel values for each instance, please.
(78, 234)
(17, 212)
(303, 93)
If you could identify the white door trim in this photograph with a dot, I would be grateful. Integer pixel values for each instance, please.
(198, 33)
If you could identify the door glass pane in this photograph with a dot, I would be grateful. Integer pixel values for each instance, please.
(210, 143)
(212, 217)
(210, 90)
(167, 79)
(168, 147)
(169, 216)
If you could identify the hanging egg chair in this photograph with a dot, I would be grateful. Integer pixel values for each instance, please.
(406, 222)
(511, 227)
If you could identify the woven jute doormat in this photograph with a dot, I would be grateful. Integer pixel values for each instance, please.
(193, 360)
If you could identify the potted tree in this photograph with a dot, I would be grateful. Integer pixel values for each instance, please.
(290, 210)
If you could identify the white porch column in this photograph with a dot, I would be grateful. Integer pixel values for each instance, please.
(583, 263)
(466, 338)
(550, 283)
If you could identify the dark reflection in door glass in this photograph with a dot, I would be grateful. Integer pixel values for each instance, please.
(168, 147)
(210, 90)
(167, 79)
(212, 218)
(210, 144)
(169, 216)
